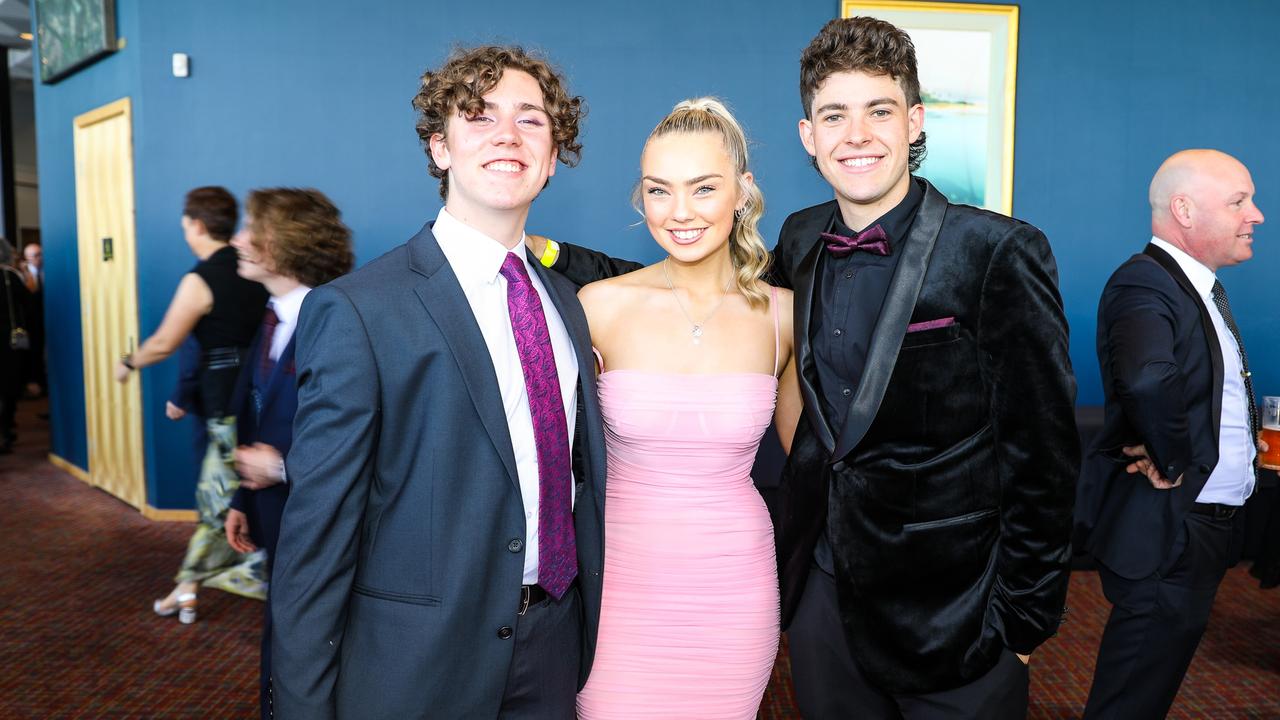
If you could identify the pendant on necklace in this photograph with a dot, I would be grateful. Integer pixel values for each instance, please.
(697, 334)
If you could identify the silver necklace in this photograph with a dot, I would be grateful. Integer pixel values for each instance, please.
(697, 330)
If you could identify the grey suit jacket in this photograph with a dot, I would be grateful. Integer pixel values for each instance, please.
(398, 562)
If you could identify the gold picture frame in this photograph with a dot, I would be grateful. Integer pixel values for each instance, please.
(968, 67)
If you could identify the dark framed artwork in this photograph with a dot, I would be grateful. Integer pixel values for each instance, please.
(71, 34)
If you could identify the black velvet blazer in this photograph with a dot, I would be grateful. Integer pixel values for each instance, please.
(949, 492)
(1162, 376)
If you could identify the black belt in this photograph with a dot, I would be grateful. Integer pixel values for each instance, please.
(220, 358)
(1217, 511)
(530, 595)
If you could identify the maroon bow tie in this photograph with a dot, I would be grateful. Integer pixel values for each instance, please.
(872, 240)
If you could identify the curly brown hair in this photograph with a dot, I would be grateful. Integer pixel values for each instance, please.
(301, 233)
(866, 45)
(468, 73)
(215, 207)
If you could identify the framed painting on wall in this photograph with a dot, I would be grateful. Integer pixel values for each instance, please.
(967, 56)
(71, 34)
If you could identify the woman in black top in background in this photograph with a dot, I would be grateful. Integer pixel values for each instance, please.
(223, 312)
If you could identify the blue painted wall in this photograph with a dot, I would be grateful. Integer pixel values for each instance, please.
(317, 93)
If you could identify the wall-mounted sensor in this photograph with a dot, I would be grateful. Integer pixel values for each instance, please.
(181, 65)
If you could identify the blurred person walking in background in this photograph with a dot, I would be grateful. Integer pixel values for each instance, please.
(222, 310)
(292, 241)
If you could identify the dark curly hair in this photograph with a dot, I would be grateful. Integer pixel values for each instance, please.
(866, 45)
(469, 73)
(301, 233)
(215, 207)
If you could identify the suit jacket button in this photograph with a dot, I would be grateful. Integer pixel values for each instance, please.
(839, 467)
(515, 545)
(504, 632)
(1205, 468)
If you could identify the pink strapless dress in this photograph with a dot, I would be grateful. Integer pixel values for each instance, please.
(689, 623)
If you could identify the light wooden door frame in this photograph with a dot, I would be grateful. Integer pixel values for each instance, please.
(107, 235)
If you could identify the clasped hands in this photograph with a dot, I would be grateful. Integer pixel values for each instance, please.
(259, 467)
(1142, 465)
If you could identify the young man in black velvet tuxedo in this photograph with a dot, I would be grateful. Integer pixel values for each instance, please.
(926, 518)
(1178, 399)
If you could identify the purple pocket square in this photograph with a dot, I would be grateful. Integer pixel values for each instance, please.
(932, 324)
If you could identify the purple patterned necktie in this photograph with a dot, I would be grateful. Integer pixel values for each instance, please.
(557, 554)
(872, 240)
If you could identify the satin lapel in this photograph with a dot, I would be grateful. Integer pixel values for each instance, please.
(1170, 265)
(806, 283)
(565, 300)
(895, 314)
(442, 297)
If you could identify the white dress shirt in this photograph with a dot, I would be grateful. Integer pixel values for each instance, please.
(287, 307)
(1231, 482)
(476, 259)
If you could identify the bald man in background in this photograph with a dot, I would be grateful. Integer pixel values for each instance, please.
(1159, 498)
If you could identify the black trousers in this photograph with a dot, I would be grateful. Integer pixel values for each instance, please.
(542, 683)
(1156, 623)
(830, 686)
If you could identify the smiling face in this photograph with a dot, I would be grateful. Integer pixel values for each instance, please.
(1222, 214)
(860, 136)
(251, 261)
(499, 159)
(689, 189)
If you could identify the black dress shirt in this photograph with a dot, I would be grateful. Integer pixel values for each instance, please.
(849, 292)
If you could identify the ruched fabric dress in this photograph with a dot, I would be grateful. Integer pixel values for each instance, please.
(689, 622)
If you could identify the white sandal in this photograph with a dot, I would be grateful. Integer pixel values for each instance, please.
(184, 608)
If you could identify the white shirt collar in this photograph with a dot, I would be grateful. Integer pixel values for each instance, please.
(1201, 277)
(475, 257)
(288, 306)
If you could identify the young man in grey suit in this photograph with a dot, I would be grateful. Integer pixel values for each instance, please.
(1180, 411)
(440, 553)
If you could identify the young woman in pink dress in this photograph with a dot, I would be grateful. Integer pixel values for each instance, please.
(695, 362)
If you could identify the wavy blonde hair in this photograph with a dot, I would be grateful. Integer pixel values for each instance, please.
(747, 250)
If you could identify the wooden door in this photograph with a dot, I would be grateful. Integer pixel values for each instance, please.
(109, 298)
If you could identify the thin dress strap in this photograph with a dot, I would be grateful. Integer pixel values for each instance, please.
(599, 360)
(777, 342)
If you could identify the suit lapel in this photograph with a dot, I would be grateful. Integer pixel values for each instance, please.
(442, 297)
(891, 327)
(805, 282)
(1170, 265)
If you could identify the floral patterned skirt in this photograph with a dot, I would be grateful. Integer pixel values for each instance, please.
(210, 560)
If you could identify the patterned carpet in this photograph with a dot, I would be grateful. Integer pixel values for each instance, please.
(78, 639)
